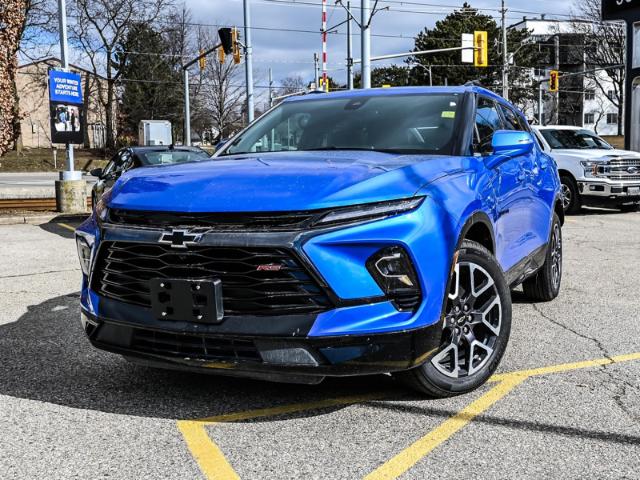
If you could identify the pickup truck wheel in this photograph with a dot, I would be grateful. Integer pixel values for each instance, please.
(570, 195)
(629, 207)
(544, 286)
(475, 330)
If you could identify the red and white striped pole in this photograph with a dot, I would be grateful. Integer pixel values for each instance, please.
(325, 83)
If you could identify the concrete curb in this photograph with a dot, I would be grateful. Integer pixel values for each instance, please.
(40, 219)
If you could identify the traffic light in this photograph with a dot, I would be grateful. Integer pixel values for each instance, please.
(481, 49)
(554, 81)
(221, 55)
(226, 40)
(202, 60)
(237, 52)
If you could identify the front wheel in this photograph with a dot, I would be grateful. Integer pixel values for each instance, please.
(570, 196)
(475, 330)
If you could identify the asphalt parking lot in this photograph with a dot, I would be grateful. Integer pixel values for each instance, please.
(565, 402)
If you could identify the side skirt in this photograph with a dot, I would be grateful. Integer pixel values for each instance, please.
(527, 267)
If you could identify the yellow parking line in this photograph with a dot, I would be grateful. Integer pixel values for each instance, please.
(214, 465)
(566, 367)
(419, 449)
(208, 455)
(68, 227)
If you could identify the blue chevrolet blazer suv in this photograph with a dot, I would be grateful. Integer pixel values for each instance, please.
(351, 233)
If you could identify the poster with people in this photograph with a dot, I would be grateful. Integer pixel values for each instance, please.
(65, 100)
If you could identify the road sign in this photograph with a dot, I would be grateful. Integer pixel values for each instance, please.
(467, 48)
(618, 9)
(66, 107)
(554, 81)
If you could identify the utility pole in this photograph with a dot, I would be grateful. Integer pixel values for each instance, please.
(315, 71)
(249, 59)
(505, 54)
(270, 87)
(556, 97)
(187, 109)
(365, 24)
(349, 49)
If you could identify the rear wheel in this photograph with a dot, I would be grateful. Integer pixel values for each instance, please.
(570, 196)
(476, 327)
(544, 286)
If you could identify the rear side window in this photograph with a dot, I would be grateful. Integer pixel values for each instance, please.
(488, 121)
(513, 121)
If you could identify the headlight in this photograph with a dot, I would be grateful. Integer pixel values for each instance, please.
(370, 211)
(591, 168)
(393, 271)
(84, 243)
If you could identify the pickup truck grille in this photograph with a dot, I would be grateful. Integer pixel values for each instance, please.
(621, 169)
(123, 271)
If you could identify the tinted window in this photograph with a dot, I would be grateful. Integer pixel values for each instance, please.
(167, 157)
(513, 121)
(391, 123)
(574, 139)
(487, 122)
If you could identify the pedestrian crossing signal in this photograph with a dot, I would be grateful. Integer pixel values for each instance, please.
(481, 49)
(554, 81)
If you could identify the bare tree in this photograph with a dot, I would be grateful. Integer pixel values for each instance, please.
(292, 85)
(98, 28)
(604, 47)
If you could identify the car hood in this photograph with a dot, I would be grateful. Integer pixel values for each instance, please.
(279, 181)
(595, 154)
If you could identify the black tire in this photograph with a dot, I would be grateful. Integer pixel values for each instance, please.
(629, 207)
(494, 304)
(570, 195)
(544, 286)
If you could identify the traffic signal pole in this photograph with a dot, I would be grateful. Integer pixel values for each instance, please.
(349, 49)
(505, 55)
(249, 60)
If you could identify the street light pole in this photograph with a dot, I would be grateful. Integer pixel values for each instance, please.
(365, 20)
(187, 109)
(249, 60)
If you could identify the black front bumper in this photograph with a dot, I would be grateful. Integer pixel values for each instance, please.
(285, 354)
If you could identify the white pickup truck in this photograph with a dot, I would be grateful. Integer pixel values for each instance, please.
(592, 172)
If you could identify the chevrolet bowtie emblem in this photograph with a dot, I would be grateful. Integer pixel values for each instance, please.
(180, 238)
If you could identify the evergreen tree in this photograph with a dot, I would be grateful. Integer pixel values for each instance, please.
(151, 83)
(447, 66)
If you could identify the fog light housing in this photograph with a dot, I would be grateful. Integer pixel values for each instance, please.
(84, 244)
(393, 271)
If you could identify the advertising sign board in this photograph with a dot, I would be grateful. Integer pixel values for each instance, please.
(66, 107)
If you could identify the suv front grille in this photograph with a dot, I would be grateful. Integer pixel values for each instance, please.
(267, 221)
(123, 271)
(193, 346)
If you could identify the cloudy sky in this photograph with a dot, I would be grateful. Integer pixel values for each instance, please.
(291, 53)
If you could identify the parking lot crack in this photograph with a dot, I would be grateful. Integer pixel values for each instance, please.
(621, 385)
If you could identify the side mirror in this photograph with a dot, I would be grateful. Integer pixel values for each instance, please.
(96, 172)
(508, 144)
(221, 144)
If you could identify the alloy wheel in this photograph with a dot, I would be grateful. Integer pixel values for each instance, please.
(567, 196)
(472, 322)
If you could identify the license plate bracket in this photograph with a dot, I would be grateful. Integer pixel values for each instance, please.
(191, 300)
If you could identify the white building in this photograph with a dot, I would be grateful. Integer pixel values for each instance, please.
(581, 101)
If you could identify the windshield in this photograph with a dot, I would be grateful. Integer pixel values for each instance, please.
(166, 157)
(580, 139)
(419, 124)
